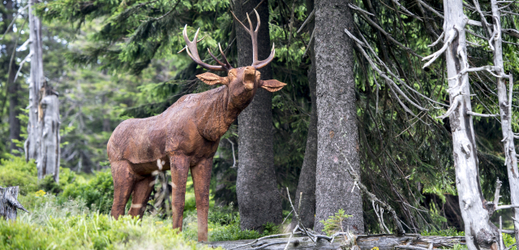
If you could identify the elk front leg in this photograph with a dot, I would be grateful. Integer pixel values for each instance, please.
(179, 171)
(201, 179)
(124, 181)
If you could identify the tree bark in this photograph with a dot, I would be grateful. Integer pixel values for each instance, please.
(337, 117)
(506, 116)
(48, 159)
(479, 232)
(12, 88)
(9, 203)
(306, 184)
(258, 198)
(42, 143)
(14, 110)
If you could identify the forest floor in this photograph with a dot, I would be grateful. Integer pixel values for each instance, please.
(277, 244)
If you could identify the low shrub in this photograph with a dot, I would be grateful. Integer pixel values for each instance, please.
(72, 225)
(97, 193)
(14, 171)
(66, 177)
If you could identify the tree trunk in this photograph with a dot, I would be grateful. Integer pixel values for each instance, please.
(258, 198)
(49, 155)
(43, 128)
(337, 117)
(12, 88)
(506, 116)
(306, 184)
(14, 110)
(479, 232)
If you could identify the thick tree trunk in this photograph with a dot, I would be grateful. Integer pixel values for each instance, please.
(258, 198)
(12, 88)
(505, 103)
(14, 110)
(479, 232)
(36, 79)
(306, 184)
(337, 117)
(43, 129)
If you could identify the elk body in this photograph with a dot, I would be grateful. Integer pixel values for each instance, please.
(183, 137)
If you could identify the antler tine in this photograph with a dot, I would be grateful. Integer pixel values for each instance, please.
(254, 37)
(224, 57)
(225, 64)
(192, 51)
(259, 21)
(263, 63)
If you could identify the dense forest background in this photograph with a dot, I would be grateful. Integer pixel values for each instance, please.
(114, 60)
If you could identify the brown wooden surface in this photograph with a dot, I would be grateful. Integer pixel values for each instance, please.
(184, 137)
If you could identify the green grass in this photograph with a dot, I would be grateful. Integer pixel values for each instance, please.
(74, 214)
(72, 225)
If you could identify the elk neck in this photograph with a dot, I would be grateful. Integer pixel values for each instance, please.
(219, 110)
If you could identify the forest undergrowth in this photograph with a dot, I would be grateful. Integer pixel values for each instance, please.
(74, 214)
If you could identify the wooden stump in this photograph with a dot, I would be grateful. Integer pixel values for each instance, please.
(9, 203)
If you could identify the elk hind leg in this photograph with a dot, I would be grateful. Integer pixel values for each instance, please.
(201, 179)
(141, 193)
(124, 181)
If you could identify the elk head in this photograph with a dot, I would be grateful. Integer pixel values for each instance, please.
(242, 82)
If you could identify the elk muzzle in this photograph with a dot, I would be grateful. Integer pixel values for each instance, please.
(249, 77)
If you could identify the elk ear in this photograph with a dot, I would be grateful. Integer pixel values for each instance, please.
(272, 85)
(212, 79)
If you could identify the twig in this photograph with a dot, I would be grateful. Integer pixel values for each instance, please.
(501, 247)
(371, 196)
(233, 155)
(481, 115)
(496, 194)
(21, 65)
(297, 216)
(308, 19)
(262, 238)
(14, 20)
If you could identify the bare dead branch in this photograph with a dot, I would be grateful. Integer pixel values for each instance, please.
(450, 37)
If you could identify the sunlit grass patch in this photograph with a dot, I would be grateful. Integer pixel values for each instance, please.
(72, 225)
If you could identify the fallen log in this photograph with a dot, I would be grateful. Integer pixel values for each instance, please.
(9, 203)
(364, 242)
(407, 241)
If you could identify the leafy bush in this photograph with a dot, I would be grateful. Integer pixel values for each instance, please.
(98, 192)
(14, 171)
(509, 240)
(65, 177)
(231, 232)
(223, 215)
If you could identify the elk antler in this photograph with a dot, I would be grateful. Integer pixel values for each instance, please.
(192, 51)
(254, 37)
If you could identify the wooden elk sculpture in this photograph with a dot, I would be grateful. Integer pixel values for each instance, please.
(184, 137)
